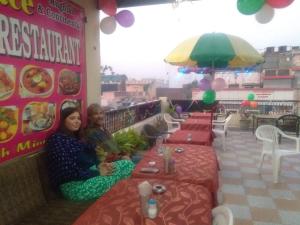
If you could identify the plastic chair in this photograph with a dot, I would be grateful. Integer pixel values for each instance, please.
(289, 124)
(222, 215)
(220, 129)
(171, 122)
(269, 134)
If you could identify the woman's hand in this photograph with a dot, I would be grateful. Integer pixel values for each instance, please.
(106, 169)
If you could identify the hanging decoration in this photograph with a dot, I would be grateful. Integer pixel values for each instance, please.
(209, 97)
(108, 25)
(263, 9)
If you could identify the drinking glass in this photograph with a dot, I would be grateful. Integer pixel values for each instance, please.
(158, 145)
(189, 137)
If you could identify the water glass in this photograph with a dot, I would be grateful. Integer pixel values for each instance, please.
(189, 137)
(158, 145)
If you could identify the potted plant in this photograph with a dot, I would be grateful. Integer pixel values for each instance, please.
(131, 142)
(245, 118)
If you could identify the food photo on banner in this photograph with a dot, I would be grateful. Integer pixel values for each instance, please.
(42, 70)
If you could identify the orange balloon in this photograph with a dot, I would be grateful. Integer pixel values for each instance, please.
(253, 104)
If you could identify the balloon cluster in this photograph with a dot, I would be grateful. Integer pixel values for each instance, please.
(210, 87)
(263, 9)
(250, 101)
(108, 24)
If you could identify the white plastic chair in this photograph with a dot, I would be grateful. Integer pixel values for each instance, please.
(222, 215)
(220, 129)
(269, 134)
(171, 122)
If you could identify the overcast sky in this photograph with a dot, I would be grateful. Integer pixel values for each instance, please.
(138, 51)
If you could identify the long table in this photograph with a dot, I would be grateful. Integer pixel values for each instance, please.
(201, 115)
(196, 165)
(197, 124)
(198, 137)
(182, 203)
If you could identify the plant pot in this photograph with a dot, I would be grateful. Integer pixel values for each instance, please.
(245, 124)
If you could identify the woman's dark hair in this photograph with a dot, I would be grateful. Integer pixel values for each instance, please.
(64, 113)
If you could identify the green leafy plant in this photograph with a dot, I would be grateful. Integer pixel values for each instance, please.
(130, 141)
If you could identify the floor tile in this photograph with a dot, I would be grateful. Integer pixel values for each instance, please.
(233, 189)
(283, 194)
(261, 202)
(240, 211)
(265, 215)
(289, 218)
(254, 183)
(293, 205)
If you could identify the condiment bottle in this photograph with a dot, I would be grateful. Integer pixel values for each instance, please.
(152, 208)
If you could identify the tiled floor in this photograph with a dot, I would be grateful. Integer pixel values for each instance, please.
(252, 196)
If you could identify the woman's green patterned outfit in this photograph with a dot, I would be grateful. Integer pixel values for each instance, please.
(94, 187)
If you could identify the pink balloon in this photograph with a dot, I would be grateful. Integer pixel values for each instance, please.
(218, 84)
(204, 84)
(279, 3)
(125, 18)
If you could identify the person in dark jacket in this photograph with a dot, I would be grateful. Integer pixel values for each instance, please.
(73, 165)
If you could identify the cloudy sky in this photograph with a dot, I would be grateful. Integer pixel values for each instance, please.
(139, 51)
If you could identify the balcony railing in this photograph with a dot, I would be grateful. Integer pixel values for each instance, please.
(121, 118)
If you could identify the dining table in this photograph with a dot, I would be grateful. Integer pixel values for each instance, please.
(196, 124)
(201, 115)
(180, 204)
(197, 137)
(194, 164)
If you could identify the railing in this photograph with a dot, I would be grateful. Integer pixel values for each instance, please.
(263, 106)
(125, 117)
(193, 105)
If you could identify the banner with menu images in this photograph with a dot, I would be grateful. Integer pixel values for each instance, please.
(42, 70)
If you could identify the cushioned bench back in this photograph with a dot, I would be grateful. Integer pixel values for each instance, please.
(20, 189)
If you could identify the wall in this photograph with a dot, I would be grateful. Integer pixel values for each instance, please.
(92, 46)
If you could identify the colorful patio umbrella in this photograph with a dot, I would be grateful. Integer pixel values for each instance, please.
(215, 50)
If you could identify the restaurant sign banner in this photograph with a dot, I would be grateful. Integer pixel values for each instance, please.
(42, 70)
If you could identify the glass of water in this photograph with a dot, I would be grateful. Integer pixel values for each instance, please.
(189, 137)
(158, 145)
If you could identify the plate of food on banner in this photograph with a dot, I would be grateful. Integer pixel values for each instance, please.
(69, 82)
(7, 81)
(36, 81)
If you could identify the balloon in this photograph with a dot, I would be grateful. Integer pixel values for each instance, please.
(178, 109)
(125, 18)
(218, 84)
(253, 104)
(209, 97)
(251, 96)
(204, 84)
(249, 7)
(279, 3)
(108, 25)
(265, 14)
(108, 6)
(245, 103)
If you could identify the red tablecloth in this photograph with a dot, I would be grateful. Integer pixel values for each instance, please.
(196, 164)
(201, 115)
(181, 204)
(198, 137)
(196, 124)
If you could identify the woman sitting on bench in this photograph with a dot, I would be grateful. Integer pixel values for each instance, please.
(74, 168)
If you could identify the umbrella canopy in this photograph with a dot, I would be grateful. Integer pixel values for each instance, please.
(215, 50)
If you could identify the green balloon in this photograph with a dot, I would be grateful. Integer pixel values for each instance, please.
(209, 97)
(250, 7)
(251, 96)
